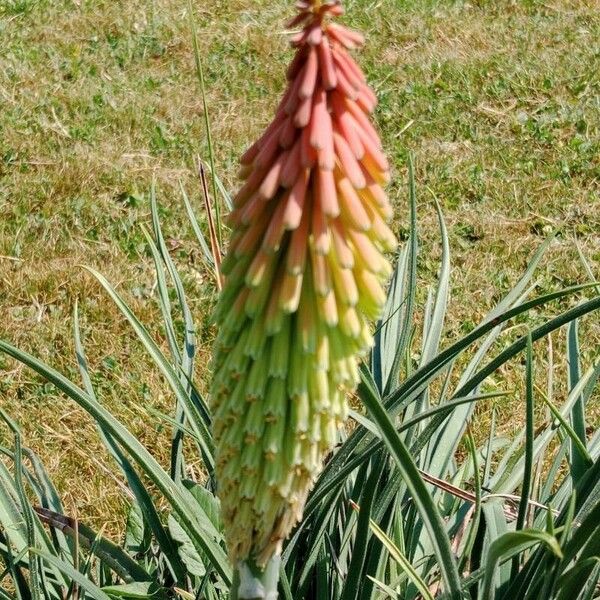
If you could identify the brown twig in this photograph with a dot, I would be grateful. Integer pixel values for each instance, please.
(214, 240)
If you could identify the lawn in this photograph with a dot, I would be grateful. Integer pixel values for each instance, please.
(500, 102)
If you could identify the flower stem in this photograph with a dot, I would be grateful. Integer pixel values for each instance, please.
(253, 583)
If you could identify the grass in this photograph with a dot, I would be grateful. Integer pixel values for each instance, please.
(499, 100)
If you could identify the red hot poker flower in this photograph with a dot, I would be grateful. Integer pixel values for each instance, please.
(304, 278)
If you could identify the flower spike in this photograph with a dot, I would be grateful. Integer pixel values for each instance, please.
(305, 276)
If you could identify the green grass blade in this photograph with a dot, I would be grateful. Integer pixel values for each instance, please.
(578, 448)
(164, 302)
(513, 479)
(85, 583)
(518, 346)
(440, 306)
(10, 515)
(28, 516)
(418, 380)
(587, 517)
(404, 563)
(488, 456)
(196, 228)
(318, 538)
(385, 588)
(351, 589)
(586, 265)
(185, 359)
(474, 528)
(353, 459)
(44, 491)
(108, 552)
(410, 285)
(18, 582)
(591, 591)
(224, 193)
(571, 583)
(522, 284)
(166, 418)
(443, 409)
(284, 585)
(389, 329)
(48, 498)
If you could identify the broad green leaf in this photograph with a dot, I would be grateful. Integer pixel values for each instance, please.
(190, 556)
(135, 530)
(135, 591)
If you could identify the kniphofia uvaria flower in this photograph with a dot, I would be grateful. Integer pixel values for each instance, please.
(304, 278)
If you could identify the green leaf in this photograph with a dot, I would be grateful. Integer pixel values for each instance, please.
(351, 589)
(211, 154)
(81, 580)
(196, 228)
(409, 285)
(136, 591)
(579, 464)
(184, 359)
(187, 551)
(578, 448)
(209, 503)
(434, 331)
(570, 583)
(135, 531)
(108, 552)
(427, 509)
(529, 439)
(474, 527)
(513, 542)
(404, 563)
(385, 588)
(136, 484)
(194, 559)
